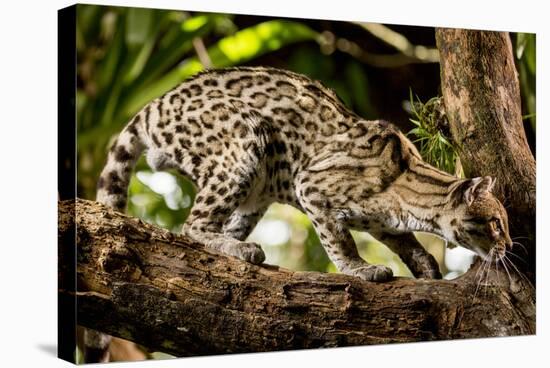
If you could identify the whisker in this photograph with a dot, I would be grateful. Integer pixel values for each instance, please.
(486, 283)
(485, 268)
(521, 245)
(508, 272)
(487, 274)
(479, 269)
(496, 268)
(517, 242)
(518, 257)
(478, 282)
(496, 263)
(506, 261)
(518, 271)
(522, 275)
(476, 278)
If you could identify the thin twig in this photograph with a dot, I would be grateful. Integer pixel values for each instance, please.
(401, 43)
(329, 42)
(202, 53)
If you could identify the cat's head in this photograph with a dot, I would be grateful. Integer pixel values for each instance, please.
(484, 223)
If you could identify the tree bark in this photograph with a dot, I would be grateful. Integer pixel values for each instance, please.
(168, 293)
(482, 99)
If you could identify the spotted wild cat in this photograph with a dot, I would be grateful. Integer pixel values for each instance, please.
(251, 136)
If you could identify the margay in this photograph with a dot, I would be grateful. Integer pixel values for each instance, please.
(251, 136)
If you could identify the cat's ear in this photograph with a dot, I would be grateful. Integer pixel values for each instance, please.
(477, 187)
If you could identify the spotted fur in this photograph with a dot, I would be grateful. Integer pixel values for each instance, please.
(248, 137)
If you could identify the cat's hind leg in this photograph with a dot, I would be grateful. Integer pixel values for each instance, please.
(421, 263)
(241, 222)
(213, 209)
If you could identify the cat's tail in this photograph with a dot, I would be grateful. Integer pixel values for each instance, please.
(112, 188)
(113, 182)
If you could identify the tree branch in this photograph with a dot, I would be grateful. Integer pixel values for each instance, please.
(168, 293)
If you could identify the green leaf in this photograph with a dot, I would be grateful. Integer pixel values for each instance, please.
(173, 50)
(192, 25)
(435, 148)
(139, 24)
(257, 40)
(140, 54)
(108, 67)
(241, 47)
(530, 54)
(139, 60)
(87, 24)
(442, 139)
(521, 41)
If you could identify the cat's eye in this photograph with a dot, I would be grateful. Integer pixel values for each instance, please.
(497, 225)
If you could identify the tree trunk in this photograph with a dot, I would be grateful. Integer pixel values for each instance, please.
(483, 104)
(168, 293)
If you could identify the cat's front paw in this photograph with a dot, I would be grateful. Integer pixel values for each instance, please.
(247, 251)
(375, 273)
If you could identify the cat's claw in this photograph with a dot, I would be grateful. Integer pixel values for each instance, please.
(375, 273)
(247, 251)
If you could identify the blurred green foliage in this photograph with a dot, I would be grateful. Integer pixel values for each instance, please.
(526, 59)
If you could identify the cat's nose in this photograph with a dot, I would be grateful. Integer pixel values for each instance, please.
(509, 245)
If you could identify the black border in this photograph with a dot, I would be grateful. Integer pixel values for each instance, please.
(66, 176)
